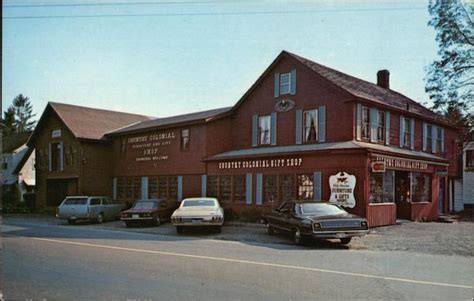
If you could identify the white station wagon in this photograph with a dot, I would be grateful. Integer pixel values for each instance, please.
(198, 212)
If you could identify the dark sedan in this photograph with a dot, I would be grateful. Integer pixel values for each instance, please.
(306, 219)
(149, 212)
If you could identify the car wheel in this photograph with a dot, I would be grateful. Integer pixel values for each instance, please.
(297, 237)
(128, 224)
(179, 229)
(346, 240)
(71, 221)
(270, 229)
(218, 229)
(100, 218)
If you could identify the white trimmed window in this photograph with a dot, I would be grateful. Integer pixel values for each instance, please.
(285, 83)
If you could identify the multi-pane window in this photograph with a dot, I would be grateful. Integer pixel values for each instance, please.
(163, 187)
(381, 126)
(439, 139)
(121, 188)
(311, 126)
(239, 188)
(420, 187)
(225, 191)
(153, 187)
(185, 139)
(173, 188)
(365, 123)
(429, 137)
(264, 128)
(213, 186)
(382, 187)
(305, 186)
(469, 158)
(270, 188)
(55, 156)
(285, 83)
(287, 187)
(137, 187)
(406, 132)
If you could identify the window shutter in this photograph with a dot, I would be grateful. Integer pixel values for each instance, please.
(144, 189)
(442, 139)
(293, 82)
(254, 130)
(50, 162)
(276, 90)
(402, 129)
(273, 134)
(203, 185)
(358, 121)
(298, 126)
(61, 156)
(412, 133)
(322, 123)
(114, 188)
(425, 134)
(180, 188)
(259, 191)
(387, 128)
(317, 186)
(433, 138)
(248, 189)
(373, 124)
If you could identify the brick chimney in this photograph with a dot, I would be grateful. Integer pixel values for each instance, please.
(383, 79)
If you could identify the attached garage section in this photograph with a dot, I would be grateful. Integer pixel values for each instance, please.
(58, 189)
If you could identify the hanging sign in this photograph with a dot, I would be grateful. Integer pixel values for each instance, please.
(342, 187)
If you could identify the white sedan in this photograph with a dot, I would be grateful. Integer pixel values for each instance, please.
(198, 212)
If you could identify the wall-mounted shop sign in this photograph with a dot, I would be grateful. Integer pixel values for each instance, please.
(55, 133)
(284, 105)
(150, 147)
(378, 166)
(393, 162)
(342, 187)
(249, 164)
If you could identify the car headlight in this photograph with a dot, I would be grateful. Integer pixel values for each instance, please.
(317, 226)
(363, 224)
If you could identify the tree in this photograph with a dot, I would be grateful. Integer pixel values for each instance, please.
(450, 79)
(23, 114)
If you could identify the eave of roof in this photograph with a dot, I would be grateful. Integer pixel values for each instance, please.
(324, 147)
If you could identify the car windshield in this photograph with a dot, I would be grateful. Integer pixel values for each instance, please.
(199, 203)
(321, 209)
(76, 201)
(145, 205)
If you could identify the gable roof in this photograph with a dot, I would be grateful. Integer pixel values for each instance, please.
(173, 120)
(88, 123)
(356, 87)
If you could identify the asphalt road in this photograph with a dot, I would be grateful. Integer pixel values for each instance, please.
(72, 263)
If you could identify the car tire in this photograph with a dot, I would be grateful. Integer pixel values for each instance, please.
(298, 237)
(128, 224)
(179, 229)
(218, 229)
(270, 229)
(71, 221)
(345, 241)
(100, 218)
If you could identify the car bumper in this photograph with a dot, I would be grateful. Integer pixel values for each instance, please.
(137, 219)
(339, 234)
(198, 223)
(74, 217)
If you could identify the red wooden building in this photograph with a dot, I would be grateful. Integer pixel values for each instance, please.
(298, 125)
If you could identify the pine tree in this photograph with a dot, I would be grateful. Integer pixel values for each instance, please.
(23, 114)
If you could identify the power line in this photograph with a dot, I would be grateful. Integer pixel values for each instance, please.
(109, 4)
(210, 14)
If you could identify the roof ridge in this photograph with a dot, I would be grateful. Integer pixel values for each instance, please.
(53, 103)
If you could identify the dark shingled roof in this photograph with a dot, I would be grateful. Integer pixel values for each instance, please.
(89, 123)
(159, 122)
(366, 90)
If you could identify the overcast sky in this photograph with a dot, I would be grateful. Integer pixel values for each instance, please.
(166, 58)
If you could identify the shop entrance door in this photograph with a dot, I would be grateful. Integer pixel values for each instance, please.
(441, 195)
(402, 194)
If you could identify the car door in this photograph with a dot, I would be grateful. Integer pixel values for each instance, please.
(95, 206)
(285, 216)
(279, 216)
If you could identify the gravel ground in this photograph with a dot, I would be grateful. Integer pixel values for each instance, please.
(433, 238)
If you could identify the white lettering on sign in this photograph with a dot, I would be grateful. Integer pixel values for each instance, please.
(250, 164)
(402, 163)
(148, 147)
(56, 134)
(342, 187)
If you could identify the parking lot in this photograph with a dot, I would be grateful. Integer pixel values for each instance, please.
(426, 238)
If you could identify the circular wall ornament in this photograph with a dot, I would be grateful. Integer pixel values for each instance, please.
(284, 105)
